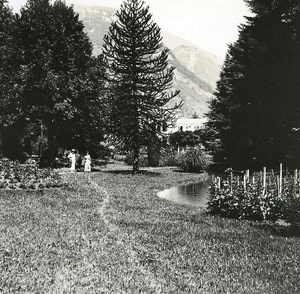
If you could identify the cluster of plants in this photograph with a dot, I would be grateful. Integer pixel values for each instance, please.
(194, 159)
(247, 198)
(168, 157)
(143, 161)
(14, 175)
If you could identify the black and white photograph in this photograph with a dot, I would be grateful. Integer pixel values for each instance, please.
(150, 146)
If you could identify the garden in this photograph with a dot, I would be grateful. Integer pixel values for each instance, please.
(264, 195)
(108, 232)
(14, 175)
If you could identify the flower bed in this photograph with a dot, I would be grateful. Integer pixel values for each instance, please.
(14, 175)
(257, 198)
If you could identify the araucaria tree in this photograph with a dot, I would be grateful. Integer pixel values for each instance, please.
(138, 78)
(255, 117)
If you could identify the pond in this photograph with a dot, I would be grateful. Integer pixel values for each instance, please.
(196, 194)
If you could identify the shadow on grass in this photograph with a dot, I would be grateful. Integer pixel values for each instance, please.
(178, 170)
(287, 231)
(129, 172)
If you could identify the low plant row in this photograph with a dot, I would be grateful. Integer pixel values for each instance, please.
(256, 198)
(14, 175)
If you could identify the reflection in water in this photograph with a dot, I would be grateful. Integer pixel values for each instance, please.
(194, 193)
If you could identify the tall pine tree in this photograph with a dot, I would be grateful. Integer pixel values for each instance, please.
(255, 115)
(139, 79)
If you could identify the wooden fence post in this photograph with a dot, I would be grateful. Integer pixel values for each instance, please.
(264, 180)
(280, 179)
(298, 177)
(231, 181)
(295, 181)
(248, 173)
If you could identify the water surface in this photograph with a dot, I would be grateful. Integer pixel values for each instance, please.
(196, 194)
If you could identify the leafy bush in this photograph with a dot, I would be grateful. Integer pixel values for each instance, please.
(194, 160)
(168, 157)
(291, 207)
(250, 200)
(143, 160)
(236, 202)
(13, 175)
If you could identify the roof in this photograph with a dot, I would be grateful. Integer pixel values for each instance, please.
(190, 121)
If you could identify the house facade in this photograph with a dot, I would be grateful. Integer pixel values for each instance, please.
(184, 124)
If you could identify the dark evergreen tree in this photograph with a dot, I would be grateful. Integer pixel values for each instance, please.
(185, 139)
(255, 114)
(54, 66)
(9, 109)
(139, 79)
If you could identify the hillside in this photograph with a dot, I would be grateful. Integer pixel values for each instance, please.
(196, 69)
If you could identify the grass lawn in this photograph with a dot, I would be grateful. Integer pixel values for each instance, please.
(108, 232)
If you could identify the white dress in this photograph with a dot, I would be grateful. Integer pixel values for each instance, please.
(87, 163)
(71, 156)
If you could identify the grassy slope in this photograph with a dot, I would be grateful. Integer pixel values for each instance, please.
(109, 233)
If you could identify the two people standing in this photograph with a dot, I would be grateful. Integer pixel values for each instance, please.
(76, 158)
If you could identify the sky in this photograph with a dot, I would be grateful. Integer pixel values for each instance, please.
(209, 24)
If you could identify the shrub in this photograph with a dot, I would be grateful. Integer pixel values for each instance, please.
(250, 200)
(143, 160)
(291, 208)
(13, 175)
(168, 157)
(194, 160)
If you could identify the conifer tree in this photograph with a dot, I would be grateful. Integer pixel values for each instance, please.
(138, 78)
(256, 113)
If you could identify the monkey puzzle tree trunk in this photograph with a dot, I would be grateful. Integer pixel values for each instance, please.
(136, 160)
(51, 145)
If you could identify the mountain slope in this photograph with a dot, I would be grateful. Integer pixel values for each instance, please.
(199, 63)
(196, 69)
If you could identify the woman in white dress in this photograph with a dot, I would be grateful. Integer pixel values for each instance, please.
(72, 157)
(87, 162)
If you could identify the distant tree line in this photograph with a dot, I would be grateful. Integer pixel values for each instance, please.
(255, 116)
(55, 94)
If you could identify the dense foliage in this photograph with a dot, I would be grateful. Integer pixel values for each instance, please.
(8, 106)
(184, 139)
(138, 78)
(255, 116)
(27, 176)
(52, 99)
(194, 160)
(248, 198)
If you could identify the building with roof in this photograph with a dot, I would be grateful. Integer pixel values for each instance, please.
(185, 124)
